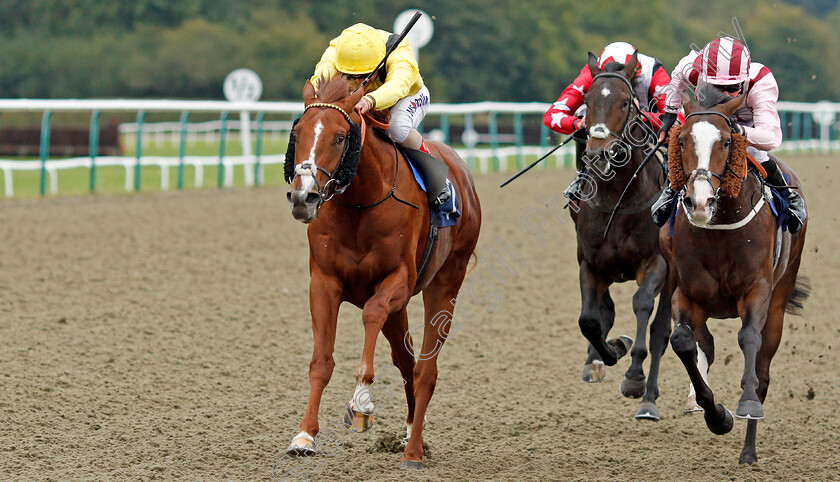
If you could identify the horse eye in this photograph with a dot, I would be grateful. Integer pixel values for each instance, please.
(626, 103)
(340, 138)
(726, 143)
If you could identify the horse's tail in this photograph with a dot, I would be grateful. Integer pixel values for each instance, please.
(801, 292)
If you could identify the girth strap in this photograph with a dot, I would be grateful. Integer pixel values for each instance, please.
(427, 255)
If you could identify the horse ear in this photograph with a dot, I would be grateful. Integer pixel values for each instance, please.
(733, 105)
(630, 67)
(308, 93)
(690, 107)
(593, 65)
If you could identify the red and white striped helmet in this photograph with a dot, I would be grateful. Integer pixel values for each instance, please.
(620, 52)
(726, 61)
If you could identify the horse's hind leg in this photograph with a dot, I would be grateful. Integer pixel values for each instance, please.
(438, 300)
(687, 316)
(660, 330)
(653, 278)
(398, 335)
(594, 369)
(592, 289)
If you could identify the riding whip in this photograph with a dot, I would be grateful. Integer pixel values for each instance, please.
(523, 171)
(411, 23)
(635, 175)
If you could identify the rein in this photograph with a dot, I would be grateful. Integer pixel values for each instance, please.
(624, 137)
(391, 193)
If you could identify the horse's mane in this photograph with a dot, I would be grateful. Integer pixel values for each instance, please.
(334, 89)
(338, 88)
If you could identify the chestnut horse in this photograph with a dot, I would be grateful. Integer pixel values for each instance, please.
(722, 262)
(616, 147)
(366, 247)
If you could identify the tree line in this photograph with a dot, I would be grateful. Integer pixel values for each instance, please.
(506, 50)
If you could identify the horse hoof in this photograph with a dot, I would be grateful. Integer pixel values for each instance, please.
(357, 421)
(621, 345)
(411, 465)
(594, 372)
(750, 410)
(748, 458)
(647, 411)
(302, 445)
(726, 426)
(632, 388)
(691, 405)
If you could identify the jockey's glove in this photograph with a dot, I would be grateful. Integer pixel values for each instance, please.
(667, 119)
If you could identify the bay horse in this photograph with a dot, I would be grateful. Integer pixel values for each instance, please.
(365, 248)
(630, 251)
(722, 262)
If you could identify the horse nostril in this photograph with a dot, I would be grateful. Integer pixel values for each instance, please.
(312, 198)
(712, 203)
(289, 196)
(689, 203)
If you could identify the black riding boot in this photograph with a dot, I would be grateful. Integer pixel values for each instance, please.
(573, 192)
(661, 209)
(796, 211)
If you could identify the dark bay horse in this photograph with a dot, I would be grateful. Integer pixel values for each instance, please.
(369, 225)
(722, 262)
(616, 147)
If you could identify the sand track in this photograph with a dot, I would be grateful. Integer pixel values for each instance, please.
(168, 336)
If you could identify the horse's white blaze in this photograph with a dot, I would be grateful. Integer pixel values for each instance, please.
(307, 169)
(599, 131)
(362, 399)
(705, 134)
(703, 366)
(605, 92)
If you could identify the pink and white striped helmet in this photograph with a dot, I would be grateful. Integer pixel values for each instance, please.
(726, 61)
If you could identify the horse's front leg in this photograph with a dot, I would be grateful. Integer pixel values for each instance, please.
(651, 278)
(753, 311)
(324, 300)
(687, 317)
(592, 290)
(390, 297)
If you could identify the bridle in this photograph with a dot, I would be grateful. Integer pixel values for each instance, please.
(355, 130)
(323, 194)
(705, 174)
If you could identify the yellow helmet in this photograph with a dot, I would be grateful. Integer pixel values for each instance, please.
(359, 49)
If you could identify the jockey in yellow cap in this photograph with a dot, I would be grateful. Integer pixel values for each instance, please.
(355, 53)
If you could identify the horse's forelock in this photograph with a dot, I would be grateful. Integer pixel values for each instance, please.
(708, 96)
(617, 68)
(334, 90)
